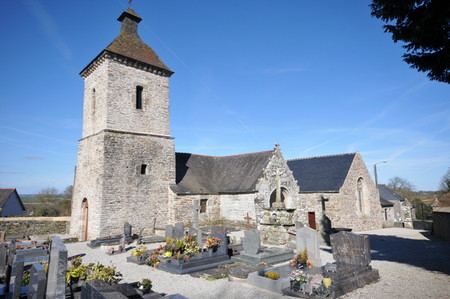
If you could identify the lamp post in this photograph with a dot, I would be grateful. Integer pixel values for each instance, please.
(375, 171)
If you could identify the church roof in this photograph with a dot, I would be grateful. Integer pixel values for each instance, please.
(387, 194)
(196, 174)
(321, 174)
(129, 46)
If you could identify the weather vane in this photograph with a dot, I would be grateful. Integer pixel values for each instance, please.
(129, 2)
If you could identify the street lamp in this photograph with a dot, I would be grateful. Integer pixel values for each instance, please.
(375, 171)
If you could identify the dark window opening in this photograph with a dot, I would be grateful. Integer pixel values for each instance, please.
(139, 97)
(143, 168)
(203, 205)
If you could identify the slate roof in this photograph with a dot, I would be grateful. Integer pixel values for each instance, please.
(196, 174)
(5, 193)
(388, 194)
(129, 44)
(321, 174)
(385, 203)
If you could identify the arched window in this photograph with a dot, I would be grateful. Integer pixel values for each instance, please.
(362, 199)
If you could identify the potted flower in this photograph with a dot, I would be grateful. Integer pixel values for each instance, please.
(138, 255)
(298, 280)
(178, 258)
(144, 286)
(301, 260)
(211, 244)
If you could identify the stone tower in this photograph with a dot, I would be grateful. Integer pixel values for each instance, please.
(126, 156)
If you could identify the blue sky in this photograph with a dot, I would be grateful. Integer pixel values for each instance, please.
(317, 77)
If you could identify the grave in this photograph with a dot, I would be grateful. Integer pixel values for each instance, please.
(309, 238)
(200, 261)
(352, 269)
(253, 253)
(175, 231)
(126, 238)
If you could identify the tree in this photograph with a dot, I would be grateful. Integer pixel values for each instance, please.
(444, 186)
(68, 192)
(401, 186)
(424, 27)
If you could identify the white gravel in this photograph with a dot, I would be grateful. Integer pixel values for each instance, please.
(411, 264)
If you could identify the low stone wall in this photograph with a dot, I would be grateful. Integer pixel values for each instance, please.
(34, 225)
(425, 225)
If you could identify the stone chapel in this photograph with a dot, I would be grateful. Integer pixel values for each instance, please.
(128, 171)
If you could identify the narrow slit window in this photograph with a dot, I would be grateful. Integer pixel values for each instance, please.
(143, 168)
(139, 97)
(203, 203)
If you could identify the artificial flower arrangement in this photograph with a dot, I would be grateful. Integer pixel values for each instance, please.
(212, 242)
(174, 249)
(139, 250)
(299, 276)
(301, 260)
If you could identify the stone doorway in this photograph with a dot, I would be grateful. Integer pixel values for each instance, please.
(84, 220)
(312, 220)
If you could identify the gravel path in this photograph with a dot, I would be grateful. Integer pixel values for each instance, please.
(412, 264)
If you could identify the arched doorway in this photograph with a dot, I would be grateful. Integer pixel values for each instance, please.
(84, 220)
(284, 195)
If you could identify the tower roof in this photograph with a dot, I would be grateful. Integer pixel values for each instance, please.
(130, 48)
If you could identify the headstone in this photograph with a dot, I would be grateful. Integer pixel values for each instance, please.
(252, 242)
(56, 285)
(127, 230)
(2, 237)
(308, 238)
(178, 232)
(223, 246)
(220, 230)
(350, 250)
(36, 287)
(16, 279)
(100, 290)
(169, 231)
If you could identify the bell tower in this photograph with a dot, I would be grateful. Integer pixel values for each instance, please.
(126, 156)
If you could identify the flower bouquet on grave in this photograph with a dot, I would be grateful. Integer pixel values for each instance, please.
(212, 242)
(301, 260)
(191, 247)
(298, 280)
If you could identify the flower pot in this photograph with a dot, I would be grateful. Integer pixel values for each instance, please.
(298, 286)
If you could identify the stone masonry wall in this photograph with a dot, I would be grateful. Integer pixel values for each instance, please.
(342, 207)
(34, 225)
(117, 140)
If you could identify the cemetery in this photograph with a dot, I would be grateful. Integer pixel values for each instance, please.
(45, 270)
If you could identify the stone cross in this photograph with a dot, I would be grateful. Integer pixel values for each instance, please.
(323, 200)
(196, 209)
(130, 2)
(247, 223)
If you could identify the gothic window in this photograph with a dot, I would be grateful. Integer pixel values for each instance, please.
(203, 202)
(139, 90)
(362, 200)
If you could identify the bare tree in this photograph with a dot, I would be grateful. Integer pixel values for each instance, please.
(401, 186)
(444, 186)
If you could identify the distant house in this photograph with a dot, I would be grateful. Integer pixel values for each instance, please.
(10, 203)
(401, 214)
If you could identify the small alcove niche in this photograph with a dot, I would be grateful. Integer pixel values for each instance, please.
(139, 90)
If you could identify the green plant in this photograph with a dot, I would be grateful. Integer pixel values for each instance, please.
(25, 278)
(272, 275)
(139, 250)
(77, 261)
(102, 272)
(75, 273)
(145, 283)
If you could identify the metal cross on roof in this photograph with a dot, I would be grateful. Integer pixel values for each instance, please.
(129, 2)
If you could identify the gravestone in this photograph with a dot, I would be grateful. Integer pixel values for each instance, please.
(38, 279)
(299, 224)
(252, 242)
(254, 254)
(196, 210)
(223, 246)
(308, 238)
(352, 255)
(169, 231)
(219, 230)
(178, 232)
(56, 285)
(350, 250)
(127, 230)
